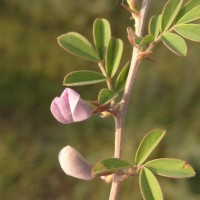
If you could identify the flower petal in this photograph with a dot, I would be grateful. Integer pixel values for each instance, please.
(73, 164)
(55, 110)
(69, 107)
(82, 111)
(60, 108)
(73, 98)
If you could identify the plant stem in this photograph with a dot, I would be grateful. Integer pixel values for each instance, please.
(120, 119)
(118, 144)
(108, 80)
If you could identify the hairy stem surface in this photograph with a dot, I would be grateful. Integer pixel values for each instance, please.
(119, 120)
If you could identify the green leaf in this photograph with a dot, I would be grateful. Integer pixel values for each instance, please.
(149, 186)
(83, 77)
(154, 26)
(148, 144)
(193, 15)
(109, 166)
(170, 167)
(113, 56)
(102, 35)
(189, 31)
(189, 12)
(169, 13)
(78, 45)
(146, 40)
(138, 40)
(121, 79)
(175, 43)
(105, 96)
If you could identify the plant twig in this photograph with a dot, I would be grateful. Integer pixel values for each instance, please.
(108, 80)
(119, 121)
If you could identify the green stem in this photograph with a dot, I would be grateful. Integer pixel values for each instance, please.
(108, 80)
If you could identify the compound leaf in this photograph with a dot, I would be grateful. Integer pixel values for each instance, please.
(149, 185)
(121, 79)
(189, 31)
(105, 96)
(102, 35)
(83, 77)
(148, 144)
(175, 43)
(190, 12)
(154, 26)
(109, 166)
(113, 56)
(169, 13)
(78, 45)
(170, 167)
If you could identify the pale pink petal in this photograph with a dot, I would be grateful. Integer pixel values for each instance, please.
(82, 111)
(55, 110)
(60, 108)
(73, 98)
(73, 163)
(69, 107)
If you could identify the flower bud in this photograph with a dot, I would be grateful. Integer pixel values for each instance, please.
(69, 107)
(133, 4)
(73, 164)
(108, 178)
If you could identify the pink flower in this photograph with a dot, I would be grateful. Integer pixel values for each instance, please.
(69, 107)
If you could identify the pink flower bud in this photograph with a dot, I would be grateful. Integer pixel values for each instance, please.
(69, 107)
(73, 163)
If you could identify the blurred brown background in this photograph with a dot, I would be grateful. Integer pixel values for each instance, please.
(32, 67)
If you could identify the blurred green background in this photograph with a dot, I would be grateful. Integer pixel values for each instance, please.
(32, 66)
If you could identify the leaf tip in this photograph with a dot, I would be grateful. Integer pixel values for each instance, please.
(188, 166)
